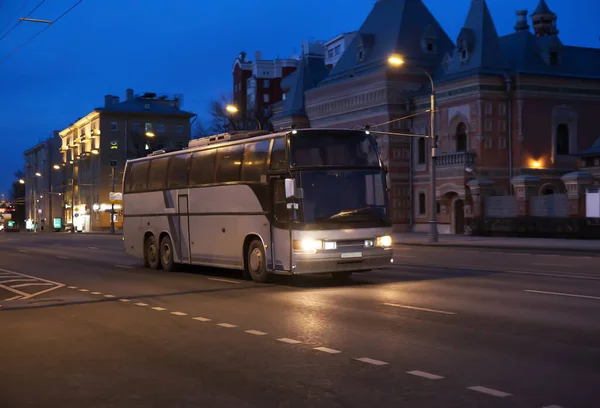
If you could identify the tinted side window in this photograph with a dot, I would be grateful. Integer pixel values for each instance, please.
(279, 201)
(278, 157)
(255, 160)
(203, 167)
(157, 180)
(229, 162)
(127, 179)
(179, 171)
(139, 173)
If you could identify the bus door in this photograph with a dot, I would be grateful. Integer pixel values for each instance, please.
(281, 245)
(184, 228)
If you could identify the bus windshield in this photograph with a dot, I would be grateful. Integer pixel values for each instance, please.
(344, 197)
(333, 148)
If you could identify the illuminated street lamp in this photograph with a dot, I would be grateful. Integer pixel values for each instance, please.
(149, 134)
(56, 167)
(38, 174)
(21, 181)
(396, 60)
(95, 151)
(232, 109)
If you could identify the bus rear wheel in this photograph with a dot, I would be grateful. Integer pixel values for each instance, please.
(166, 254)
(152, 256)
(256, 262)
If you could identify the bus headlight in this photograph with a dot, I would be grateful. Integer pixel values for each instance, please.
(385, 241)
(308, 245)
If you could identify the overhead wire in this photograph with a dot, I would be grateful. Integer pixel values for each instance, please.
(13, 17)
(20, 21)
(42, 30)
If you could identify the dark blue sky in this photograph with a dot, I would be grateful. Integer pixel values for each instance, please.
(183, 46)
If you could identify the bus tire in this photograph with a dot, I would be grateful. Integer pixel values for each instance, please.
(166, 254)
(256, 261)
(152, 252)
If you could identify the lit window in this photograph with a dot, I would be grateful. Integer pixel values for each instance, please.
(266, 83)
(114, 126)
(266, 98)
(148, 127)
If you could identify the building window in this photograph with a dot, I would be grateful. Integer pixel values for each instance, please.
(438, 207)
(461, 137)
(266, 83)
(488, 108)
(464, 56)
(489, 125)
(502, 108)
(502, 125)
(266, 98)
(554, 58)
(330, 53)
(489, 142)
(179, 129)
(136, 128)
(502, 143)
(114, 126)
(422, 204)
(361, 56)
(421, 151)
(429, 46)
(160, 128)
(148, 127)
(338, 49)
(562, 139)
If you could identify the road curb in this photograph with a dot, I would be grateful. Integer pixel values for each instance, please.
(578, 251)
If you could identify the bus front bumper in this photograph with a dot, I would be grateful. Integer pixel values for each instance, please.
(335, 261)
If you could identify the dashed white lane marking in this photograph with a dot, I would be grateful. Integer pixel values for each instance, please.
(124, 266)
(92, 247)
(289, 341)
(404, 256)
(327, 350)
(124, 300)
(179, 313)
(96, 293)
(23, 285)
(12, 298)
(72, 287)
(372, 361)
(541, 292)
(202, 319)
(423, 309)
(489, 391)
(109, 296)
(256, 332)
(160, 309)
(22, 250)
(424, 374)
(229, 326)
(84, 290)
(224, 280)
(141, 304)
(62, 257)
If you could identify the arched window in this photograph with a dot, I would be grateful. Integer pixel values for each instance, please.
(461, 137)
(422, 151)
(562, 139)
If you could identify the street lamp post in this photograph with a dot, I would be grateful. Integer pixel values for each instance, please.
(396, 61)
(233, 110)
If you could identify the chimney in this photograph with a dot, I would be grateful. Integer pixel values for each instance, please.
(129, 94)
(115, 100)
(521, 21)
(108, 100)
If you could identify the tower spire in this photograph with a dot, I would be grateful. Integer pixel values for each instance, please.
(544, 20)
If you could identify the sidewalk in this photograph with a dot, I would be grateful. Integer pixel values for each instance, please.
(591, 247)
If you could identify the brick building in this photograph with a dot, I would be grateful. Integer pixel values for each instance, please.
(512, 111)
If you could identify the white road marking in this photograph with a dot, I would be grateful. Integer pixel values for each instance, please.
(109, 296)
(12, 298)
(256, 332)
(552, 406)
(404, 256)
(62, 257)
(224, 280)
(541, 292)
(30, 295)
(423, 309)
(160, 309)
(141, 304)
(179, 313)
(202, 319)
(327, 350)
(72, 287)
(489, 391)
(229, 326)
(96, 293)
(289, 341)
(425, 374)
(23, 285)
(84, 290)
(371, 361)
(92, 247)
(546, 264)
(17, 280)
(124, 300)
(550, 255)
(124, 266)
(22, 250)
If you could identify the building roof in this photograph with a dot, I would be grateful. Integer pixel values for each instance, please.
(542, 8)
(480, 40)
(393, 26)
(138, 105)
(592, 151)
(311, 70)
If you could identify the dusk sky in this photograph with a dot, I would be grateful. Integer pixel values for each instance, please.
(183, 46)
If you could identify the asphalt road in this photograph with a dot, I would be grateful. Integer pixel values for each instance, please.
(87, 326)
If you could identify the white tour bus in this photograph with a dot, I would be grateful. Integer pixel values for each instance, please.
(297, 202)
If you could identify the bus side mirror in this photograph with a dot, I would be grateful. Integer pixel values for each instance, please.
(290, 188)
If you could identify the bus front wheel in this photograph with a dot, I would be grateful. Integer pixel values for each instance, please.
(152, 253)
(256, 263)
(166, 254)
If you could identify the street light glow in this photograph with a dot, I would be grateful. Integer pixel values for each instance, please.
(21, 181)
(56, 167)
(38, 174)
(95, 151)
(232, 109)
(395, 60)
(149, 134)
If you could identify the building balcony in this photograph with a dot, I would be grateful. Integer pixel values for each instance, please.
(458, 159)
